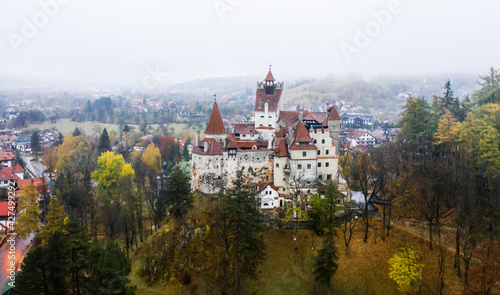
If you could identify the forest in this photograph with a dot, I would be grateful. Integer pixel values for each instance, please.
(114, 205)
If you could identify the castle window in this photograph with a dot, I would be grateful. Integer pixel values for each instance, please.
(277, 165)
(319, 164)
(270, 117)
(308, 166)
(322, 141)
(262, 116)
(315, 139)
(328, 176)
(319, 152)
(299, 166)
(327, 164)
(327, 151)
(304, 154)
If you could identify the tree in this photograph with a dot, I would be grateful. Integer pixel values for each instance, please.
(104, 142)
(28, 211)
(108, 270)
(112, 176)
(325, 265)
(405, 269)
(185, 151)
(64, 265)
(179, 198)
(490, 88)
(36, 147)
(151, 159)
(54, 221)
(447, 102)
(239, 223)
(76, 132)
(419, 124)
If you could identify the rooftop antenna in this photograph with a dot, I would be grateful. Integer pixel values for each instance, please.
(215, 97)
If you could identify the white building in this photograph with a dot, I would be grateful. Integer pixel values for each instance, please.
(294, 151)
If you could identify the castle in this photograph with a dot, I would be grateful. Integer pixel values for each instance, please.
(283, 152)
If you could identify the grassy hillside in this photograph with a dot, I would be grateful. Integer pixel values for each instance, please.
(288, 267)
(66, 126)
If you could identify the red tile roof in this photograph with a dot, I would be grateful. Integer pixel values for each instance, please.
(6, 156)
(269, 77)
(356, 133)
(37, 182)
(247, 144)
(16, 169)
(215, 124)
(244, 128)
(263, 186)
(8, 176)
(214, 147)
(22, 183)
(281, 150)
(281, 133)
(271, 99)
(301, 135)
(4, 208)
(290, 117)
(333, 114)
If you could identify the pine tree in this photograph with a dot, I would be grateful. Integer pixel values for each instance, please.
(185, 151)
(244, 223)
(76, 132)
(325, 264)
(490, 88)
(104, 143)
(36, 147)
(179, 198)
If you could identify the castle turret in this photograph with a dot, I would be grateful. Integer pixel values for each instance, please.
(215, 127)
(334, 124)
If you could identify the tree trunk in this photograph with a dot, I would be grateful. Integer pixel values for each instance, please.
(430, 234)
(457, 252)
(389, 219)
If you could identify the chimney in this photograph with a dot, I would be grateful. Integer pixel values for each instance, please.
(269, 144)
(301, 114)
(205, 146)
(197, 137)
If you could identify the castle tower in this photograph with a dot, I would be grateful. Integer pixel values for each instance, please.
(267, 104)
(215, 127)
(334, 124)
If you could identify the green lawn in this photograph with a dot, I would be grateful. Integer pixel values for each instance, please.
(66, 126)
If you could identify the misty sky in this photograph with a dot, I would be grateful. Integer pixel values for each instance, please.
(116, 41)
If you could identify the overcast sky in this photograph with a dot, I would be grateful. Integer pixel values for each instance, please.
(119, 41)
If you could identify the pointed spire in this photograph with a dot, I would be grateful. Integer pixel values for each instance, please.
(269, 76)
(215, 124)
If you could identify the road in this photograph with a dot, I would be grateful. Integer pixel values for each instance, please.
(21, 248)
(36, 168)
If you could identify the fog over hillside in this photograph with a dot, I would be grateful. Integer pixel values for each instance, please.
(130, 43)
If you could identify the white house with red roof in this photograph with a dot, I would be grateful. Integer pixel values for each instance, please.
(6, 158)
(292, 150)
